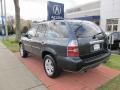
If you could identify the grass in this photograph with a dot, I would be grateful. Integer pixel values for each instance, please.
(114, 62)
(112, 85)
(11, 44)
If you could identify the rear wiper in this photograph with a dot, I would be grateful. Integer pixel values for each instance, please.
(94, 36)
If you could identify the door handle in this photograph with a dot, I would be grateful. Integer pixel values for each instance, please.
(44, 43)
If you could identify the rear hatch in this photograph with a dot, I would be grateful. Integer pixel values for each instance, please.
(91, 39)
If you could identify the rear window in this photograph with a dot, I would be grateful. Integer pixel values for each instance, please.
(85, 29)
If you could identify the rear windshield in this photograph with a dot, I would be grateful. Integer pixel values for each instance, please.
(85, 29)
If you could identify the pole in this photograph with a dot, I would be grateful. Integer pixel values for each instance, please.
(6, 29)
(1, 8)
(2, 14)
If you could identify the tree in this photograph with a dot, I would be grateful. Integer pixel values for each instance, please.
(17, 18)
(10, 22)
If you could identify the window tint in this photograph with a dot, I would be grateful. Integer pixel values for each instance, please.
(41, 30)
(57, 30)
(32, 31)
(85, 29)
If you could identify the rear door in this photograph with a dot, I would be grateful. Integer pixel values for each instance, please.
(90, 38)
(39, 40)
(57, 37)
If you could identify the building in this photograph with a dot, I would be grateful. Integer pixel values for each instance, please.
(110, 15)
(103, 12)
(90, 11)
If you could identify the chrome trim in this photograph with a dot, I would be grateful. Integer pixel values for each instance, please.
(96, 42)
(27, 45)
(35, 47)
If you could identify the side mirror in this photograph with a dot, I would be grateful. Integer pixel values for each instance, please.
(27, 35)
(24, 34)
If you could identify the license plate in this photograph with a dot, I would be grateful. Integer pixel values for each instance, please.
(96, 47)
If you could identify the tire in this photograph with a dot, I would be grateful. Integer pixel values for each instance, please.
(50, 67)
(23, 53)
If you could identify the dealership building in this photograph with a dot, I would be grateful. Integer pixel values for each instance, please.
(105, 13)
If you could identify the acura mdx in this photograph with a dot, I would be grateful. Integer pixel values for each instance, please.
(69, 45)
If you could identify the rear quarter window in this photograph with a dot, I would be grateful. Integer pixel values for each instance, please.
(57, 30)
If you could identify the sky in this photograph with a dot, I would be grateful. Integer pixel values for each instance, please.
(37, 9)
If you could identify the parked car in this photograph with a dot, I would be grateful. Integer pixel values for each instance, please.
(114, 40)
(69, 45)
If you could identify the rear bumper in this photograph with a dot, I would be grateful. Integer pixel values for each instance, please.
(77, 64)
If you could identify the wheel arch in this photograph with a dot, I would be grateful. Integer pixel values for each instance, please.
(48, 53)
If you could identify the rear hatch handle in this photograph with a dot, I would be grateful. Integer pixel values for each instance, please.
(43, 43)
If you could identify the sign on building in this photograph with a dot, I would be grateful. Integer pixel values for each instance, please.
(55, 11)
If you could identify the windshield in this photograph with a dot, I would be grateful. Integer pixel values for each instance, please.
(85, 29)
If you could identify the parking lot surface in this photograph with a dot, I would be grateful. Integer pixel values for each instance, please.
(90, 80)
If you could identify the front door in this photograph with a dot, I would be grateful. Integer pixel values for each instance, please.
(30, 35)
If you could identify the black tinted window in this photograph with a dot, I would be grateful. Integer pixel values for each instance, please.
(41, 30)
(85, 29)
(57, 30)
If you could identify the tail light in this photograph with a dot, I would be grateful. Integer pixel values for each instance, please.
(72, 49)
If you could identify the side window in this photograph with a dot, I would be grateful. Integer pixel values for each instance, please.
(57, 30)
(41, 30)
(52, 31)
(63, 31)
(32, 31)
(80, 31)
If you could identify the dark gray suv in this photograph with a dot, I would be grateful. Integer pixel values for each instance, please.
(71, 45)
